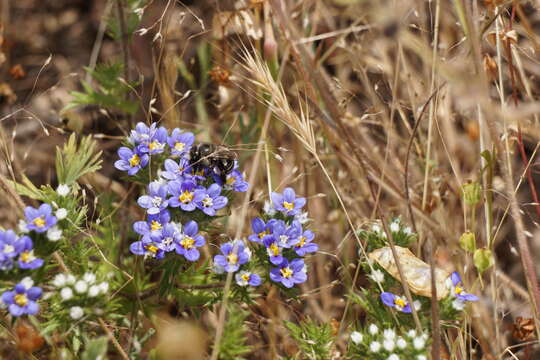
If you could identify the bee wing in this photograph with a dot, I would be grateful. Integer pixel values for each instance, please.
(416, 272)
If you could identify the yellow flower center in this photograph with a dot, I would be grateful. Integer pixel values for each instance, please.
(232, 258)
(27, 256)
(231, 180)
(245, 277)
(207, 202)
(186, 197)
(287, 205)
(39, 221)
(152, 248)
(400, 302)
(155, 225)
(21, 299)
(154, 145)
(286, 272)
(200, 172)
(263, 234)
(135, 160)
(274, 249)
(187, 242)
(459, 289)
(302, 241)
(179, 146)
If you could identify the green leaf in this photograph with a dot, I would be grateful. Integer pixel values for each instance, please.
(96, 349)
(75, 160)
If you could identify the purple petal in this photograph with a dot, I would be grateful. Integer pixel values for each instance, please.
(388, 299)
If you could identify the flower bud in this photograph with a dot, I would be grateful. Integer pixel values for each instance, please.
(467, 241)
(483, 259)
(472, 193)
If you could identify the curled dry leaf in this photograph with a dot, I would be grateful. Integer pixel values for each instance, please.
(416, 272)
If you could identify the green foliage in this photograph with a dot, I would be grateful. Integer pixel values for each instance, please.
(233, 343)
(95, 348)
(111, 92)
(314, 340)
(74, 161)
(132, 19)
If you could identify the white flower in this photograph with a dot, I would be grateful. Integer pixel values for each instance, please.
(2, 304)
(70, 279)
(81, 286)
(94, 291)
(411, 333)
(89, 277)
(302, 217)
(389, 344)
(66, 293)
(22, 226)
(60, 213)
(417, 305)
(63, 190)
(407, 230)
(356, 337)
(458, 304)
(76, 312)
(421, 357)
(394, 227)
(27, 282)
(375, 346)
(419, 343)
(376, 228)
(59, 280)
(104, 286)
(393, 357)
(389, 334)
(377, 276)
(373, 329)
(269, 208)
(401, 343)
(54, 233)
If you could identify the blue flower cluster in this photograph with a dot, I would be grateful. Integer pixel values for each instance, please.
(179, 190)
(18, 250)
(284, 239)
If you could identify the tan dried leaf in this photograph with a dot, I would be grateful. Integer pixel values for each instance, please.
(416, 272)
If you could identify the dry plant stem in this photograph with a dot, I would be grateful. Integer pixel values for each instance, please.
(99, 38)
(436, 330)
(125, 46)
(253, 174)
(330, 102)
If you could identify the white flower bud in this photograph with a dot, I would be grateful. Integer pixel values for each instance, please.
(104, 286)
(401, 343)
(375, 346)
(389, 344)
(394, 227)
(70, 279)
(81, 286)
(63, 190)
(393, 357)
(356, 337)
(89, 277)
(94, 291)
(419, 343)
(60, 213)
(66, 293)
(27, 282)
(54, 233)
(76, 312)
(373, 329)
(22, 226)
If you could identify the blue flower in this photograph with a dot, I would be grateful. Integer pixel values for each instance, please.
(22, 300)
(287, 236)
(184, 195)
(395, 301)
(157, 142)
(189, 241)
(40, 219)
(305, 244)
(260, 229)
(287, 202)
(234, 181)
(10, 246)
(211, 200)
(148, 246)
(289, 274)
(458, 291)
(273, 250)
(180, 142)
(27, 259)
(234, 254)
(245, 278)
(169, 234)
(142, 134)
(156, 200)
(176, 170)
(130, 160)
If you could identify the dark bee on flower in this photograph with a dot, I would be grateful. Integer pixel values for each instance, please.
(217, 158)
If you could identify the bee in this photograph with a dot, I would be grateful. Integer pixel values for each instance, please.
(218, 158)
